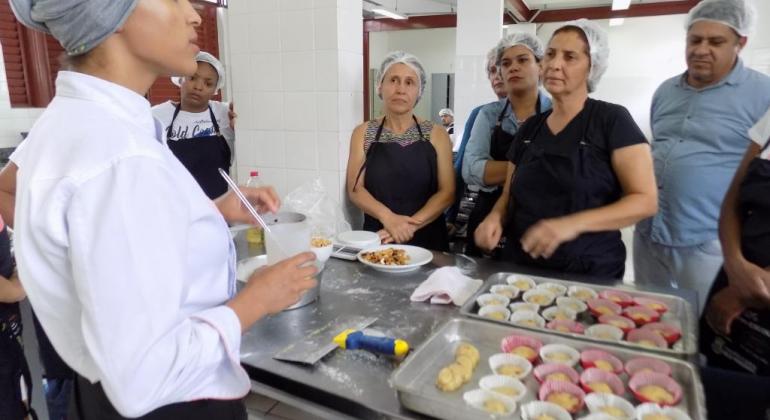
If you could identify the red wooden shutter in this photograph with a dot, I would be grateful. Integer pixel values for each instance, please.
(13, 57)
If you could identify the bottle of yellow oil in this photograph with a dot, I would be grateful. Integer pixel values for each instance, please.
(254, 235)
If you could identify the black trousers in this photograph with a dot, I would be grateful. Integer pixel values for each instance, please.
(89, 402)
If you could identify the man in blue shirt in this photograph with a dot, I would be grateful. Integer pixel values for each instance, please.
(699, 124)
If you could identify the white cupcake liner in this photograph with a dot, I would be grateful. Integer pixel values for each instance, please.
(490, 382)
(523, 306)
(532, 410)
(488, 299)
(477, 397)
(549, 349)
(555, 288)
(501, 359)
(502, 289)
(598, 416)
(519, 317)
(652, 408)
(599, 331)
(523, 283)
(573, 304)
(546, 300)
(575, 291)
(485, 311)
(596, 401)
(550, 314)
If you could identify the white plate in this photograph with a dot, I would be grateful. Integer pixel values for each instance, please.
(359, 238)
(417, 257)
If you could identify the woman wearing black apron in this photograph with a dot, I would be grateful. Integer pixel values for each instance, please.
(517, 59)
(736, 322)
(578, 173)
(400, 169)
(129, 267)
(202, 138)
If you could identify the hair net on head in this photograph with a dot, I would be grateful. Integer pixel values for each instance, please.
(519, 38)
(78, 25)
(598, 49)
(396, 57)
(737, 14)
(446, 111)
(204, 57)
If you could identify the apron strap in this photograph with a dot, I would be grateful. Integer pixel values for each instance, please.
(214, 121)
(377, 141)
(502, 113)
(173, 118)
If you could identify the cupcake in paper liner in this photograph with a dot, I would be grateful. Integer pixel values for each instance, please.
(556, 372)
(527, 319)
(511, 292)
(600, 359)
(541, 410)
(523, 283)
(646, 338)
(652, 411)
(510, 365)
(523, 306)
(641, 315)
(614, 406)
(523, 346)
(559, 353)
(490, 402)
(655, 387)
(605, 332)
(603, 382)
(539, 297)
(504, 385)
(488, 299)
(564, 394)
(498, 313)
(555, 288)
(600, 416)
(647, 364)
(653, 304)
(566, 326)
(559, 313)
(621, 322)
(573, 304)
(582, 293)
(599, 307)
(669, 332)
(621, 298)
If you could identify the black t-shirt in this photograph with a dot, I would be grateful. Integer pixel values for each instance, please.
(609, 127)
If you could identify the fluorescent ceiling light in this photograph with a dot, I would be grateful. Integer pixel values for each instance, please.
(389, 14)
(620, 4)
(616, 21)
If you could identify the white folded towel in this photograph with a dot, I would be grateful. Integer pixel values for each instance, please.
(445, 285)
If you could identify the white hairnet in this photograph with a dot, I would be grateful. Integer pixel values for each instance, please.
(204, 57)
(532, 42)
(737, 14)
(396, 57)
(491, 59)
(598, 48)
(446, 111)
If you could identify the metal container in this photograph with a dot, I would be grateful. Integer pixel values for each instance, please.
(680, 313)
(414, 381)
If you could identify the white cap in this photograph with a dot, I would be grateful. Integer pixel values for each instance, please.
(204, 57)
(446, 111)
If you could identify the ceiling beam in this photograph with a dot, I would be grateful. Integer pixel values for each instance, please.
(414, 22)
(606, 12)
(521, 10)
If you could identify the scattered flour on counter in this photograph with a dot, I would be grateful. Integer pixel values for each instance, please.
(340, 377)
(359, 291)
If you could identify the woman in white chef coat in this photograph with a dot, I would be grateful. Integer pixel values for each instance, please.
(127, 263)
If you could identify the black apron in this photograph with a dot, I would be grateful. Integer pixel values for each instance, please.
(500, 143)
(203, 156)
(556, 180)
(403, 179)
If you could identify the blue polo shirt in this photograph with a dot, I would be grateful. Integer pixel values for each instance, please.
(699, 138)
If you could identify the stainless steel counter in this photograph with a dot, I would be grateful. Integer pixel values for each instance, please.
(354, 383)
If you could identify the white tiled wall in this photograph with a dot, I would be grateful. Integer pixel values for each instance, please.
(13, 120)
(297, 81)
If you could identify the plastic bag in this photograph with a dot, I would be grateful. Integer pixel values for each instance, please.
(323, 213)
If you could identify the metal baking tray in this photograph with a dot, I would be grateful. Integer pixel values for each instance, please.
(680, 313)
(414, 381)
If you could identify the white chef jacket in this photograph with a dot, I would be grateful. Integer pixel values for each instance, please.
(126, 262)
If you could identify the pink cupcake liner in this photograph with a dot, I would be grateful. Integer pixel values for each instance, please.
(653, 304)
(669, 332)
(588, 359)
(549, 387)
(573, 326)
(627, 324)
(542, 371)
(639, 364)
(592, 375)
(632, 311)
(595, 304)
(621, 298)
(512, 341)
(635, 336)
(642, 379)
